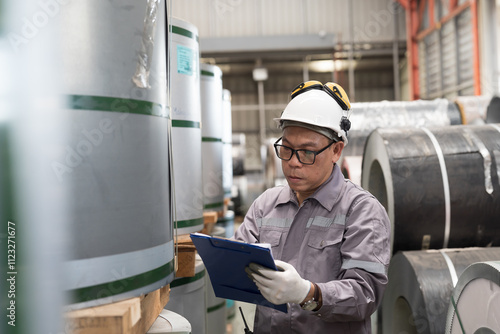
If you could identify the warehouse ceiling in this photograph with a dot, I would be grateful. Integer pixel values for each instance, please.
(365, 57)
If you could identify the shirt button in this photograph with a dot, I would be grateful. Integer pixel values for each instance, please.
(319, 314)
(322, 243)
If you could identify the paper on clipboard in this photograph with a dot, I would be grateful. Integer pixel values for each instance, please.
(225, 261)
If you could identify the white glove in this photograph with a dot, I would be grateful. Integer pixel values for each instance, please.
(279, 287)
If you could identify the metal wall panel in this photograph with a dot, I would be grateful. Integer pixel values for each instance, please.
(449, 48)
(234, 18)
(465, 55)
(422, 69)
(282, 17)
(446, 66)
(433, 50)
(196, 12)
(336, 20)
(372, 20)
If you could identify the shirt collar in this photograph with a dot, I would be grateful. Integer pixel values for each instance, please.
(326, 195)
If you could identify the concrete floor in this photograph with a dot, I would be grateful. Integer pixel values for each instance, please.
(236, 325)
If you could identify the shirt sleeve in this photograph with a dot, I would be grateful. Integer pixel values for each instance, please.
(365, 254)
(249, 230)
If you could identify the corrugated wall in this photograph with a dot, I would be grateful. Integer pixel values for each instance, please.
(446, 56)
(372, 19)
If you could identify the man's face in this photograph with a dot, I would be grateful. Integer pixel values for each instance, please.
(305, 179)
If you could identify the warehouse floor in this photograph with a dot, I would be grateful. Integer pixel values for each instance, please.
(236, 325)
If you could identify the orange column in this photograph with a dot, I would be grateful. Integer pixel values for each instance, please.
(412, 24)
(475, 48)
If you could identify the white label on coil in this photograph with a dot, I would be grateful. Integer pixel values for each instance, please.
(446, 185)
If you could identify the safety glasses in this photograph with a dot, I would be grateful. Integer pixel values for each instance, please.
(306, 157)
(332, 89)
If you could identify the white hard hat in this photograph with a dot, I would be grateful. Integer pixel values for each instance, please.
(319, 105)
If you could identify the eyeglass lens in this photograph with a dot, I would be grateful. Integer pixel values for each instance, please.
(304, 156)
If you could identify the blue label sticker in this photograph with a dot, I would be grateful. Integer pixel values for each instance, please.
(185, 60)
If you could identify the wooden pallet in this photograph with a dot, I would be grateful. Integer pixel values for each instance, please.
(131, 316)
(186, 251)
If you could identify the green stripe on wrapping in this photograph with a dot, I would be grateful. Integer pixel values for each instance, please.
(121, 286)
(213, 205)
(116, 104)
(184, 32)
(231, 316)
(216, 307)
(207, 73)
(189, 222)
(211, 139)
(176, 123)
(186, 280)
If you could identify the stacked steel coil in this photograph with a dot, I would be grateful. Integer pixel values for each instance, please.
(186, 127)
(440, 186)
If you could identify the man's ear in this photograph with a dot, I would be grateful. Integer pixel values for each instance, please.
(337, 151)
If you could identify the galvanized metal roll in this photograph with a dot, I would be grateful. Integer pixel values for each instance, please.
(170, 322)
(33, 203)
(188, 297)
(420, 286)
(116, 161)
(351, 168)
(475, 302)
(473, 108)
(186, 126)
(440, 186)
(368, 116)
(227, 145)
(493, 111)
(212, 133)
(227, 222)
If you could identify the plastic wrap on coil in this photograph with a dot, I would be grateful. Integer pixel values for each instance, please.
(188, 297)
(475, 304)
(493, 111)
(368, 116)
(34, 204)
(351, 168)
(238, 153)
(186, 127)
(440, 187)
(420, 286)
(227, 150)
(473, 108)
(212, 133)
(170, 322)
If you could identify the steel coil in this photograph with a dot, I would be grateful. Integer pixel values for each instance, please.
(475, 302)
(420, 286)
(186, 127)
(440, 186)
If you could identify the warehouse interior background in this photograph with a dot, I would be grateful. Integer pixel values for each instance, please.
(127, 125)
(380, 50)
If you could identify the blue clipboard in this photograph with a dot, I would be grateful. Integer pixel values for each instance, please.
(225, 261)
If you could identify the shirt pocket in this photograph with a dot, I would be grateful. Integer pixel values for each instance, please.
(323, 259)
(272, 237)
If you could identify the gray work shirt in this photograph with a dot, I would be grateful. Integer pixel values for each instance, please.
(339, 239)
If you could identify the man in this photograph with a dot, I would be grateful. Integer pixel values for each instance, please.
(329, 237)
